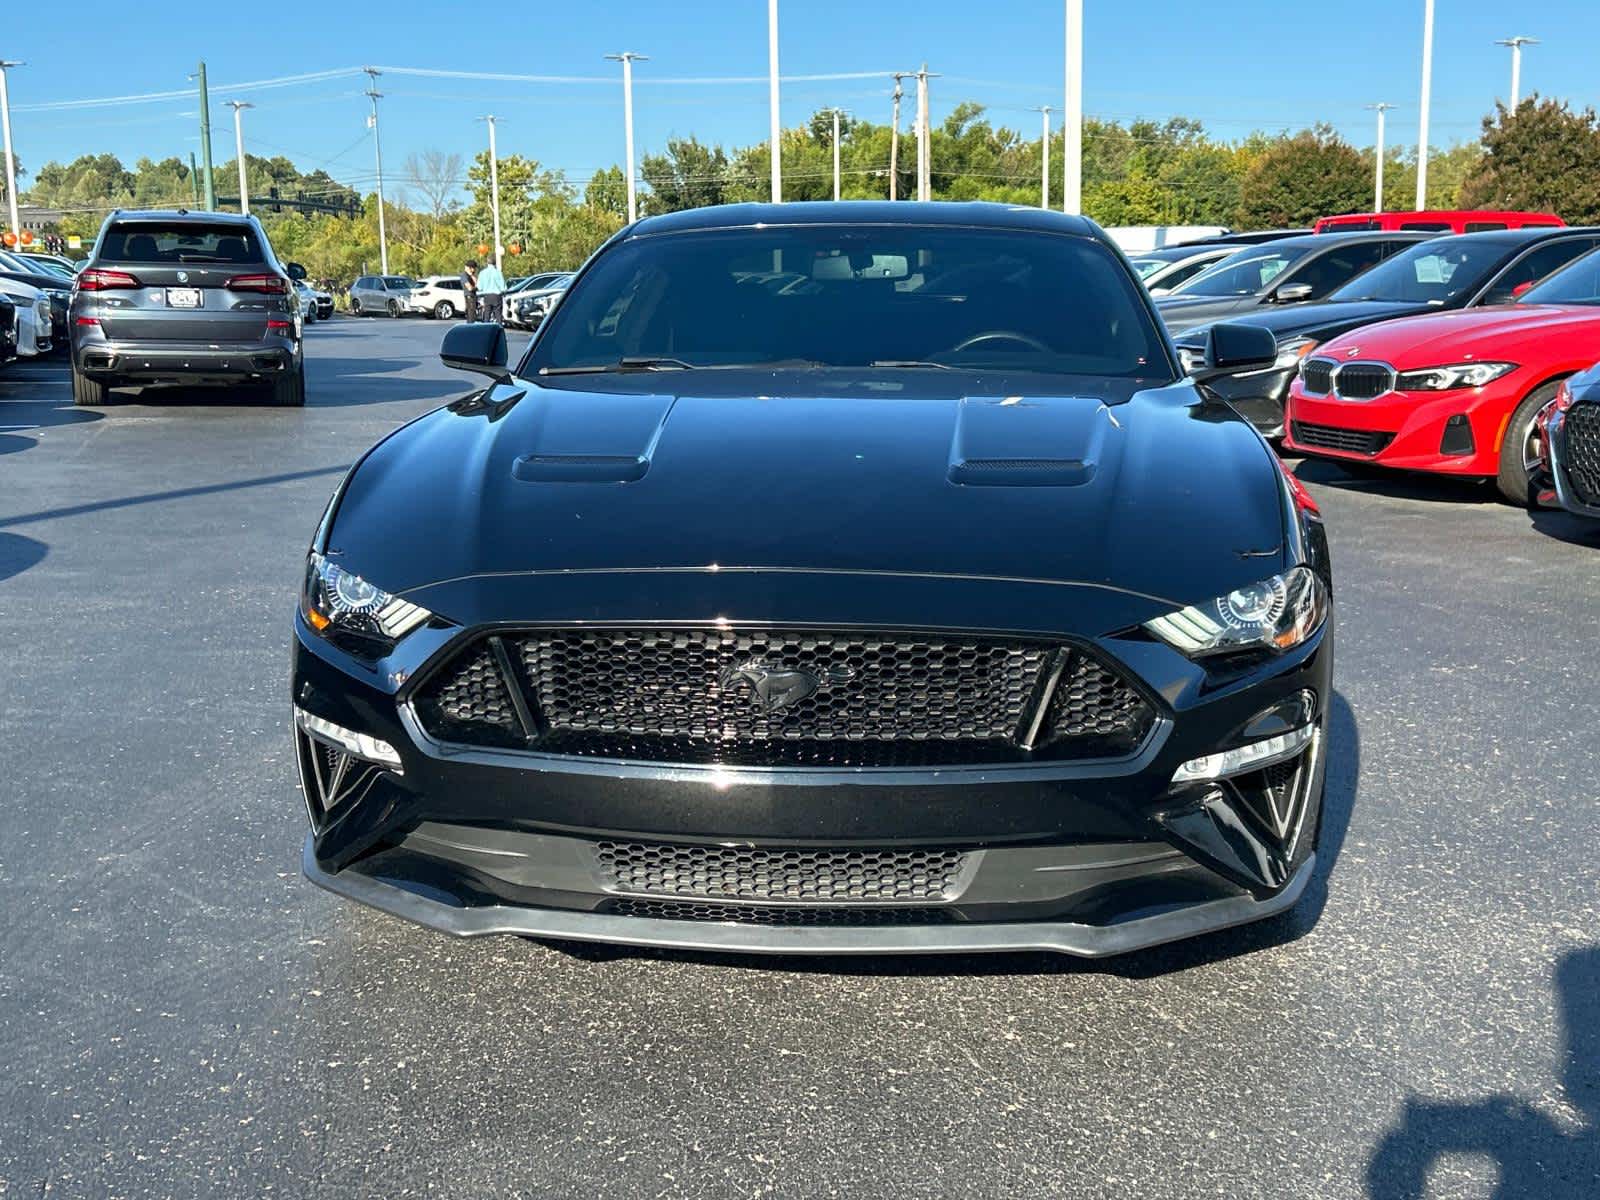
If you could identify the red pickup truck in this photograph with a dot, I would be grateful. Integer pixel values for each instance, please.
(1436, 221)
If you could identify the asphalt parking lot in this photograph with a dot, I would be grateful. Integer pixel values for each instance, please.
(182, 1014)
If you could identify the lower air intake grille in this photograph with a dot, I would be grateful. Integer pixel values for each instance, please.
(785, 914)
(1332, 437)
(721, 873)
(785, 698)
(1582, 460)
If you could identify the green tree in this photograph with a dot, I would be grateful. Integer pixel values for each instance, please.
(1543, 157)
(608, 191)
(1304, 177)
(689, 175)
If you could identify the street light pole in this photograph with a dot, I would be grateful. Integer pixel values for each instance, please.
(494, 187)
(1072, 118)
(627, 58)
(924, 136)
(1044, 159)
(1377, 187)
(238, 149)
(11, 159)
(377, 149)
(1427, 91)
(835, 153)
(1516, 44)
(772, 85)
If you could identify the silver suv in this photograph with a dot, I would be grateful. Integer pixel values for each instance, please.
(375, 295)
(190, 298)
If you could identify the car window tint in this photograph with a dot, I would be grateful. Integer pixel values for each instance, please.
(1534, 266)
(1428, 226)
(179, 241)
(1431, 272)
(1328, 271)
(1484, 226)
(980, 298)
(1576, 283)
(1244, 274)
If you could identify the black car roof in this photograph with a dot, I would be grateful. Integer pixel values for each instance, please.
(1518, 237)
(977, 213)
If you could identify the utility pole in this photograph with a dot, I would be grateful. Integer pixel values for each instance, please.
(772, 84)
(1377, 187)
(194, 179)
(1516, 44)
(238, 147)
(11, 159)
(894, 139)
(494, 187)
(377, 149)
(205, 139)
(1072, 115)
(627, 58)
(1044, 159)
(1427, 91)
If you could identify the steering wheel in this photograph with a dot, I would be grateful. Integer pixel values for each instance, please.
(1001, 335)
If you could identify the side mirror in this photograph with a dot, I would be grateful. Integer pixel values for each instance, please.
(1292, 293)
(1231, 349)
(1522, 289)
(479, 346)
(296, 271)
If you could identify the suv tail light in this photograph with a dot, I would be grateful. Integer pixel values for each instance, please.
(95, 280)
(275, 285)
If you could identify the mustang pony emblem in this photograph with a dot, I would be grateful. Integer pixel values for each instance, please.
(772, 689)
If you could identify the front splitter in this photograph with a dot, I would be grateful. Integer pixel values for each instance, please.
(1085, 941)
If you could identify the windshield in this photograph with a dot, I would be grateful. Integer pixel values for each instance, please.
(1578, 283)
(1433, 272)
(401, 282)
(889, 296)
(1246, 273)
(179, 241)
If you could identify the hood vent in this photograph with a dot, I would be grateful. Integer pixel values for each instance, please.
(588, 437)
(1029, 441)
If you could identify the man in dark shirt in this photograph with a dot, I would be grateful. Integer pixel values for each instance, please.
(469, 289)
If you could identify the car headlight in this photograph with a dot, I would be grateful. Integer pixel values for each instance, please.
(1276, 614)
(1456, 375)
(1290, 353)
(338, 603)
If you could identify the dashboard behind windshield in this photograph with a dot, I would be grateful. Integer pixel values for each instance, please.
(886, 296)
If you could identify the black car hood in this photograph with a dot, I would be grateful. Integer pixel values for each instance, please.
(1162, 496)
(1184, 312)
(1322, 320)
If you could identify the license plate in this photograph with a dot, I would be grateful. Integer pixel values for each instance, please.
(183, 297)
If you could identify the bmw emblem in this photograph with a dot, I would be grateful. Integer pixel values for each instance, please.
(1352, 352)
(183, 277)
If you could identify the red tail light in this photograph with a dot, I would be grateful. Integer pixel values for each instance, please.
(275, 285)
(274, 324)
(96, 280)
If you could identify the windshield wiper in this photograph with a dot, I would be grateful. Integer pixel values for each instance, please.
(909, 364)
(627, 362)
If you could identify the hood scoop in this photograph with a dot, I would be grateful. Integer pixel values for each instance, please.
(1029, 441)
(580, 437)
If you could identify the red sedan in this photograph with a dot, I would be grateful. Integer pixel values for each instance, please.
(1455, 393)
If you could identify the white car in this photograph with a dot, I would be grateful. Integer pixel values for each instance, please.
(308, 301)
(439, 296)
(33, 317)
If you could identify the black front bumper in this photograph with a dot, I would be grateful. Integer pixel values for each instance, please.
(1082, 857)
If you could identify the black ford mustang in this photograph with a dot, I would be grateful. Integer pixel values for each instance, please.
(826, 578)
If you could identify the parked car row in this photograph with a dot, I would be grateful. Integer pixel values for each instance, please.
(1463, 355)
(443, 297)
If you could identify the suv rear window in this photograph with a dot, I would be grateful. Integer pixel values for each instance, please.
(180, 242)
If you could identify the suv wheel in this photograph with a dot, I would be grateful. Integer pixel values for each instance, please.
(88, 392)
(355, 307)
(444, 310)
(394, 308)
(289, 389)
(1521, 450)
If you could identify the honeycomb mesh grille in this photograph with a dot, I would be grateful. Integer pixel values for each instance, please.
(785, 914)
(1582, 461)
(781, 697)
(722, 873)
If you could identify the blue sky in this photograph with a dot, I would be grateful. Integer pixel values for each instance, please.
(1237, 65)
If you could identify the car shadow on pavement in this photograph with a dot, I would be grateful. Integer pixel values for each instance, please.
(1400, 485)
(1535, 1156)
(1565, 527)
(18, 553)
(78, 510)
(1338, 803)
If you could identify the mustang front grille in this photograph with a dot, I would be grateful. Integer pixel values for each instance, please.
(731, 873)
(777, 914)
(1582, 461)
(783, 698)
